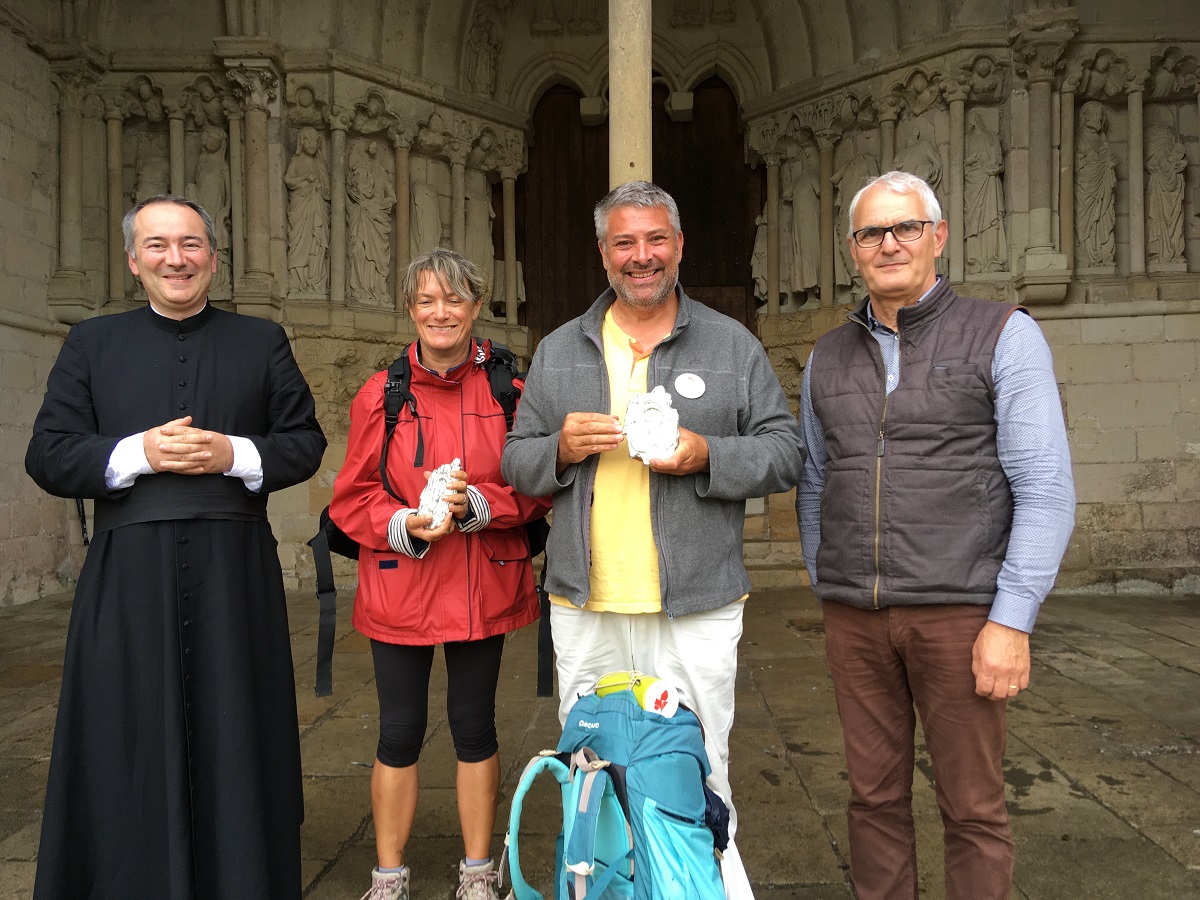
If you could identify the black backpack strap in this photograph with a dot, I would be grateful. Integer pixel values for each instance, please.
(327, 603)
(83, 515)
(545, 649)
(396, 395)
(501, 367)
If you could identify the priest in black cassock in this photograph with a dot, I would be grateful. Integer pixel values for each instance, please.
(175, 773)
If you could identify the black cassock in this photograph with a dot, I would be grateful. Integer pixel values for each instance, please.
(175, 772)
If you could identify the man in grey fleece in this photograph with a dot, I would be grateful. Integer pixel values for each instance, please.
(645, 564)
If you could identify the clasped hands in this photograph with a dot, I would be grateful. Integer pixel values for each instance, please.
(178, 447)
(586, 433)
(420, 527)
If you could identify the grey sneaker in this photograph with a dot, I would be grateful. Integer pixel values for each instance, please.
(388, 885)
(477, 882)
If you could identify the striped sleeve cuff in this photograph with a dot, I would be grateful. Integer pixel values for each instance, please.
(400, 540)
(479, 514)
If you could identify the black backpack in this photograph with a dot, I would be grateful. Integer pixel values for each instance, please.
(501, 368)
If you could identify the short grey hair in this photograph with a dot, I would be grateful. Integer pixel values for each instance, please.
(900, 183)
(634, 193)
(210, 228)
(458, 273)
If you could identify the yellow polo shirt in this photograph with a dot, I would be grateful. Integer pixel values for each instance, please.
(624, 567)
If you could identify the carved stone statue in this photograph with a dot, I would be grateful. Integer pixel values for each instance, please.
(372, 117)
(210, 188)
(544, 19)
(479, 215)
(1103, 79)
(153, 168)
(204, 103)
(1095, 189)
(1166, 161)
(305, 110)
(983, 197)
(985, 80)
(307, 180)
(846, 181)
(804, 191)
(369, 219)
(1165, 81)
(425, 222)
(147, 100)
(484, 57)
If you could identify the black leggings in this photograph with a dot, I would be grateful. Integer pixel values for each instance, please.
(402, 682)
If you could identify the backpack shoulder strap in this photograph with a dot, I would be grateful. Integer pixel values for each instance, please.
(396, 395)
(554, 764)
(501, 367)
(327, 602)
(600, 831)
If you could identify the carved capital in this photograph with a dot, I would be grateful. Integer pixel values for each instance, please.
(340, 118)
(888, 107)
(456, 151)
(1137, 82)
(402, 133)
(176, 110)
(257, 86)
(116, 107)
(1038, 39)
(763, 136)
(957, 90)
(73, 83)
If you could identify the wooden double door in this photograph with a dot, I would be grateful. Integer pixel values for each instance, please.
(701, 163)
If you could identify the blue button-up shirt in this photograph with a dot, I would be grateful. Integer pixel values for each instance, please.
(1031, 442)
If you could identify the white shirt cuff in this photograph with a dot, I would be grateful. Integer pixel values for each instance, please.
(247, 463)
(126, 462)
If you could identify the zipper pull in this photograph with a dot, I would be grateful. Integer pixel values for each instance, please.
(879, 446)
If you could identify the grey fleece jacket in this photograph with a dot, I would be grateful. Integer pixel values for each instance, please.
(754, 449)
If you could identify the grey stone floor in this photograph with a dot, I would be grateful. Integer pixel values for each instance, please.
(1103, 764)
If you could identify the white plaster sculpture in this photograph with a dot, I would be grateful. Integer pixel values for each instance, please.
(983, 198)
(369, 227)
(307, 180)
(651, 425)
(210, 188)
(804, 187)
(432, 502)
(1166, 161)
(1095, 189)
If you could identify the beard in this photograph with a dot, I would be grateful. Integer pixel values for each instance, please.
(620, 284)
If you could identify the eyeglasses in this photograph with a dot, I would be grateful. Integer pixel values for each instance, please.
(873, 235)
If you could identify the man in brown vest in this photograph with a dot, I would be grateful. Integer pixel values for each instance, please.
(934, 508)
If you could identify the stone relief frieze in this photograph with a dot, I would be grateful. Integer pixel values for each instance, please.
(545, 19)
(1172, 76)
(146, 100)
(307, 182)
(371, 115)
(985, 79)
(204, 102)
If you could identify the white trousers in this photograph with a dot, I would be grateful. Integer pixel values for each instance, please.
(696, 653)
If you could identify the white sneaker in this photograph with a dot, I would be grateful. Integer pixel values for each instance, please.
(478, 882)
(388, 885)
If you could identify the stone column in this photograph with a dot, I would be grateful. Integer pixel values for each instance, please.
(773, 159)
(825, 143)
(237, 190)
(176, 113)
(257, 84)
(114, 117)
(68, 288)
(956, 94)
(1039, 39)
(233, 18)
(1066, 173)
(457, 152)
(402, 139)
(249, 26)
(630, 131)
(1137, 177)
(888, 108)
(339, 122)
(508, 178)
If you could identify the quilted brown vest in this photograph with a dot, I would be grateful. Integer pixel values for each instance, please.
(916, 508)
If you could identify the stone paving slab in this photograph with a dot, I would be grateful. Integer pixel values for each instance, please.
(1102, 764)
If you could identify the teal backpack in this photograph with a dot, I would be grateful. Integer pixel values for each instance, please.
(638, 820)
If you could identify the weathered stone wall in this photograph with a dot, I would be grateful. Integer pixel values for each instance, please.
(39, 536)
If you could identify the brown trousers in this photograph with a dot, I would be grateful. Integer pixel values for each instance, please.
(883, 662)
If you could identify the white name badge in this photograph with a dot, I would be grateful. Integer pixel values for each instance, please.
(689, 385)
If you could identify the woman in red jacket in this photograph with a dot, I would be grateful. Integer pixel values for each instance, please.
(463, 583)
